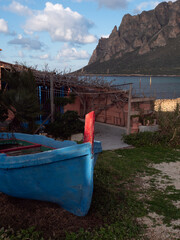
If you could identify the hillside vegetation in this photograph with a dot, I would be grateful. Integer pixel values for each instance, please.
(146, 43)
(161, 61)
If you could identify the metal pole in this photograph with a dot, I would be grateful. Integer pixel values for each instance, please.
(52, 98)
(129, 111)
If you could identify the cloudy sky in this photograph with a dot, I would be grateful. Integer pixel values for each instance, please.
(60, 33)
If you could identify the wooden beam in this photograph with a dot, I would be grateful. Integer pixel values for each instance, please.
(129, 111)
(142, 99)
(52, 97)
(42, 124)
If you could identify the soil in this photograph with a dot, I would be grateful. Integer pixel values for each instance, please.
(46, 217)
(52, 220)
(156, 229)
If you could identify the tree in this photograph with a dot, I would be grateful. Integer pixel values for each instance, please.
(3, 109)
(21, 97)
(65, 125)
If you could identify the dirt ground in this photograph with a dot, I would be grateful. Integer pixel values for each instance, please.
(48, 218)
(52, 220)
(169, 176)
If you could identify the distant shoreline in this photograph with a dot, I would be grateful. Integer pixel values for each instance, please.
(127, 75)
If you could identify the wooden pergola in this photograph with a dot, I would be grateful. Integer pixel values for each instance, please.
(82, 86)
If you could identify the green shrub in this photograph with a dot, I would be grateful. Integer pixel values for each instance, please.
(169, 121)
(21, 98)
(169, 133)
(147, 139)
(65, 125)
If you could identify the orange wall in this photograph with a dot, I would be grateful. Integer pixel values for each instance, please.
(116, 114)
(76, 106)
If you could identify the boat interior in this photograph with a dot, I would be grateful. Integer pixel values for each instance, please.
(15, 147)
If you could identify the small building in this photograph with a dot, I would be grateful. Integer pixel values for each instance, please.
(112, 104)
(112, 108)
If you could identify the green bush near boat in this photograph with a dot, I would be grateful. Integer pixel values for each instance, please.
(65, 125)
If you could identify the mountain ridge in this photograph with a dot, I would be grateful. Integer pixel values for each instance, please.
(141, 39)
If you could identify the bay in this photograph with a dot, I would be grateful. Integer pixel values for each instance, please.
(146, 86)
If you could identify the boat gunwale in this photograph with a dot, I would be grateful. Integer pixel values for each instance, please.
(35, 138)
(23, 147)
(47, 157)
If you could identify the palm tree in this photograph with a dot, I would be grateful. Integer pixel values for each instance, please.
(21, 97)
(3, 109)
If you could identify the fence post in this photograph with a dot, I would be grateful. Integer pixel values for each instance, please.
(129, 110)
(52, 97)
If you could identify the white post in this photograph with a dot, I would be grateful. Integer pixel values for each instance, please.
(129, 111)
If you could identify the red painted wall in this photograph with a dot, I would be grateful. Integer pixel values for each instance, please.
(116, 114)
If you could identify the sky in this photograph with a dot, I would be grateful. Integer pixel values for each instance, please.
(59, 34)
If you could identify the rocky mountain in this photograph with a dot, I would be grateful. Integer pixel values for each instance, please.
(140, 35)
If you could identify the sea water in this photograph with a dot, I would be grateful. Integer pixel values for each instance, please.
(146, 86)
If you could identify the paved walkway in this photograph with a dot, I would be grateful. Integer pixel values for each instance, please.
(110, 136)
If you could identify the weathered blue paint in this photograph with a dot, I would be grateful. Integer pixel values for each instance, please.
(63, 175)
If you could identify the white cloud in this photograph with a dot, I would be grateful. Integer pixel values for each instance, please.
(18, 8)
(105, 36)
(42, 57)
(21, 54)
(45, 56)
(3, 26)
(71, 53)
(63, 24)
(27, 43)
(145, 6)
(112, 4)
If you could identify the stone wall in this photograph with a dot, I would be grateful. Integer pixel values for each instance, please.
(166, 105)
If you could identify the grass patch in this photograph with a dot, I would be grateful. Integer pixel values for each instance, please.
(116, 194)
(10, 234)
(161, 202)
(115, 188)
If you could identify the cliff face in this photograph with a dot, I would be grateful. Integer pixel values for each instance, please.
(142, 33)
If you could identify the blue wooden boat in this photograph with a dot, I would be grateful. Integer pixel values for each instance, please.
(59, 172)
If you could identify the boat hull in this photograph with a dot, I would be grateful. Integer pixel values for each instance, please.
(63, 175)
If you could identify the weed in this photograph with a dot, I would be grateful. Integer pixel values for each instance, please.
(10, 234)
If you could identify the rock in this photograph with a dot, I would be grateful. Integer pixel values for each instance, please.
(144, 49)
(137, 42)
(77, 137)
(141, 33)
(162, 13)
(159, 42)
(148, 128)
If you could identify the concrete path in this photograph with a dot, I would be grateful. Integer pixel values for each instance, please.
(110, 136)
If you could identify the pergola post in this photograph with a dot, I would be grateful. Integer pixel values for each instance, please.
(52, 97)
(129, 110)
